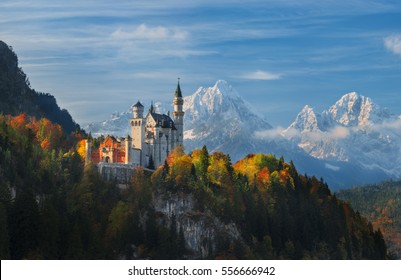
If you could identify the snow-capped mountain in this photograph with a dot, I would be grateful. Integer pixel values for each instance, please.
(354, 110)
(353, 130)
(221, 119)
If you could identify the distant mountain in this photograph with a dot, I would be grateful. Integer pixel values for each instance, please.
(16, 95)
(354, 130)
(118, 122)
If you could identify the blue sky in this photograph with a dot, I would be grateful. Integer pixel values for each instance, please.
(97, 57)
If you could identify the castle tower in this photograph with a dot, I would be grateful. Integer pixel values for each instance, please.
(138, 126)
(88, 146)
(128, 147)
(178, 115)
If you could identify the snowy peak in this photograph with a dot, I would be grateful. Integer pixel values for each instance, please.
(211, 98)
(351, 110)
(353, 130)
(220, 100)
(354, 110)
(220, 118)
(309, 121)
(221, 87)
(305, 120)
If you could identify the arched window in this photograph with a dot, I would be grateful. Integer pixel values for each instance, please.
(139, 123)
(107, 159)
(136, 123)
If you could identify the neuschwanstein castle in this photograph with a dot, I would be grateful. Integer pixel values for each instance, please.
(152, 138)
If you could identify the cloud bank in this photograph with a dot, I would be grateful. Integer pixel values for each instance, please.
(338, 132)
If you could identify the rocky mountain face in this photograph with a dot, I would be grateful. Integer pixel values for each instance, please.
(354, 141)
(353, 130)
(201, 230)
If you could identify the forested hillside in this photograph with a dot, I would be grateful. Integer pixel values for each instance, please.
(16, 95)
(381, 205)
(194, 206)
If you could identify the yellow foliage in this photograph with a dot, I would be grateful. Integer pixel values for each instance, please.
(181, 169)
(217, 171)
(196, 158)
(81, 148)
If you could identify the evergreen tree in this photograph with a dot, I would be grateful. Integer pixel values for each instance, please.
(4, 236)
(25, 226)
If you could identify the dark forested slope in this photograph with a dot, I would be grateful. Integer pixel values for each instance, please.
(16, 95)
(381, 205)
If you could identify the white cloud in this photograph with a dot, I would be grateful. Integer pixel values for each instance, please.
(339, 132)
(262, 75)
(144, 32)
(393, 43)
(273, 133)
(394, 125)
(332, 167)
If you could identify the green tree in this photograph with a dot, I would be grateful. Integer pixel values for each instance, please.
(25, 226)
(4, 236)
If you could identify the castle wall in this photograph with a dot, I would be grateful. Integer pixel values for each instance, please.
(119, 172)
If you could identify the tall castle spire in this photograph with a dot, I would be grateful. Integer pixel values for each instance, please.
(178, 93)
(178, 115)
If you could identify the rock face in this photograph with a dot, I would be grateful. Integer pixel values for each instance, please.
(118, 172)
(201, 229)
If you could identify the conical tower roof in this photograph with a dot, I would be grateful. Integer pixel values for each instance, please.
(178, 90)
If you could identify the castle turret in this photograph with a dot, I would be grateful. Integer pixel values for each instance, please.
(128, 147)
(88, 147)
(138, 126)
(138, 110)
(178, 115)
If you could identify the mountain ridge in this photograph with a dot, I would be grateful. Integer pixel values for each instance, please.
(354, 129)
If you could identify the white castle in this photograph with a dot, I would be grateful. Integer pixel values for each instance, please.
(152, 138)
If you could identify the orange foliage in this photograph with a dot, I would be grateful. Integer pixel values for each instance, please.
(174, 155)
(46, 145)
(284, 174)
(47, 134)
(263, 177)
(18, 122)
(248, 166)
